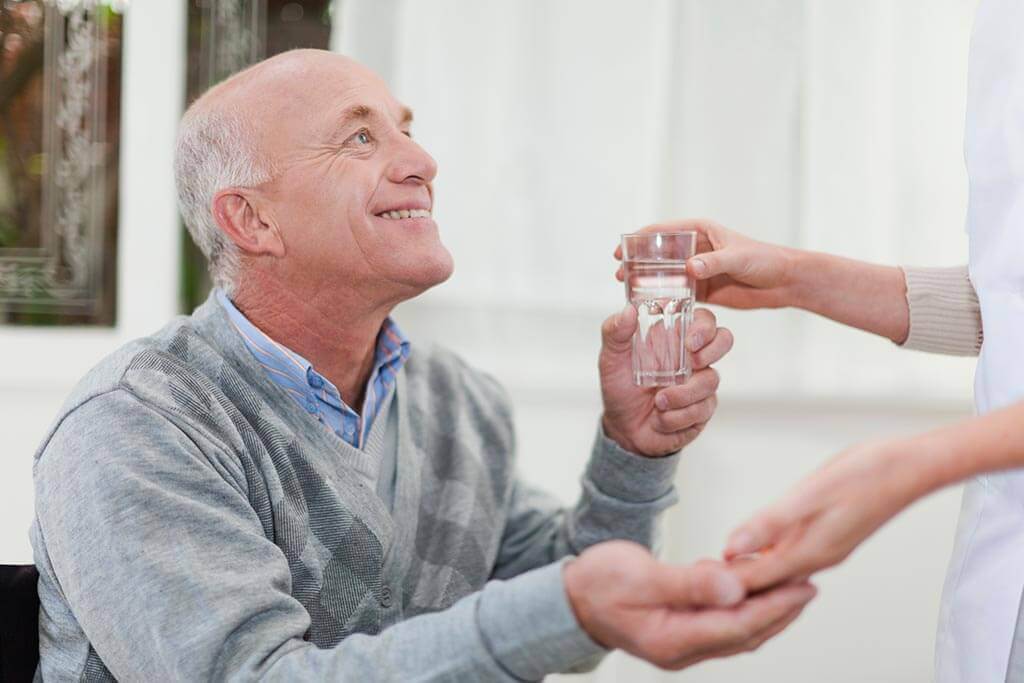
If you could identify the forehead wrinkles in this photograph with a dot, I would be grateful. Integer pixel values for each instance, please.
(310, 109)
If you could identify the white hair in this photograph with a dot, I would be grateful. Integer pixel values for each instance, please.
(215, 150)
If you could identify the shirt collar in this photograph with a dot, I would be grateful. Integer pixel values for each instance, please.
(261, 344)
(392, 348)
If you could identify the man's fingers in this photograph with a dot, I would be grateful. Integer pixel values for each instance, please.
(701, 329)
(714, 351)
(672, 421)
(735, 627)
(754, 642)
(706, 584)
(617, 330)
(699, 386)
(774, 629)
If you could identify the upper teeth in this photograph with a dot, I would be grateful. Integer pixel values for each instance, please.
(411, 213)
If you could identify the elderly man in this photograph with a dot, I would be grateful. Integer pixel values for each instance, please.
(281, 486)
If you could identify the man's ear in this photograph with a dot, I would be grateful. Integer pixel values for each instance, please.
(235, 212)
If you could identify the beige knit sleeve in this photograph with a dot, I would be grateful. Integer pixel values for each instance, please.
(944, 312)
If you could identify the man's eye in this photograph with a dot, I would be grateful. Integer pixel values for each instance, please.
(362, 137)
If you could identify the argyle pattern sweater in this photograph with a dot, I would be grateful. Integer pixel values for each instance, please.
(194, 523)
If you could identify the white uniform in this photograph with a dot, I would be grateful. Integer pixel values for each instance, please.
(982, 594)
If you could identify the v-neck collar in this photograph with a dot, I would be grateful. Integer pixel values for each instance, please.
(211, 321)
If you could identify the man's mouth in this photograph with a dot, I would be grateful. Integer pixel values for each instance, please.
(399, 214)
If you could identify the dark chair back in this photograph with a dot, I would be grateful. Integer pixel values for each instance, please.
(19, 623)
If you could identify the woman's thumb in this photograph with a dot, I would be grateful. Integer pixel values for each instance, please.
(726, 261)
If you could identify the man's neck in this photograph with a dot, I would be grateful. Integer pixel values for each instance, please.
(337, 334)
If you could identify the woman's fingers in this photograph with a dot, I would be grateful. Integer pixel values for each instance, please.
(763, 530)
(709, 233)
(710, 236)
(778, 566)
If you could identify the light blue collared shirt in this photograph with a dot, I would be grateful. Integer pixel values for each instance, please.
(314, 392)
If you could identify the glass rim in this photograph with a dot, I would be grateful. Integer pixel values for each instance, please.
(660, 233)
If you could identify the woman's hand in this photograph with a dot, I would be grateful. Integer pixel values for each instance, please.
(826, 516)
(734, 270)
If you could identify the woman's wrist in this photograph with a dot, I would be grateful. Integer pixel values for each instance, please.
(805, 276)
(863, 295)
(919, 465)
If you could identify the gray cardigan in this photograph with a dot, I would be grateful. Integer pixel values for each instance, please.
(194, 523)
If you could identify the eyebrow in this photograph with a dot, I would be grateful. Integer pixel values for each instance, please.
(360, 112)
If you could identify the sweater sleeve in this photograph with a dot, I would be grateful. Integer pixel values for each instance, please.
(944, 313)
(622, 497)
(169, 574)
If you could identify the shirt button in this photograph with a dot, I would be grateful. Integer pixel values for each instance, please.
(385, 596)
(315, 381)
(311, 405)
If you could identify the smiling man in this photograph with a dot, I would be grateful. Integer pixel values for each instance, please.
(282, 486)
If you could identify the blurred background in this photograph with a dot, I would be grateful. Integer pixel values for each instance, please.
(825, 124)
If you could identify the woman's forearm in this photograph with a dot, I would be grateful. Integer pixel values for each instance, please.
(869, 297)
(979, 445)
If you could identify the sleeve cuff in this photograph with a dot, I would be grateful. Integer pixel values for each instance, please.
(627, 476)
(944, 313)
(529, 627)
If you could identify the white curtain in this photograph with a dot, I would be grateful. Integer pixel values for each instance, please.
(826, 124)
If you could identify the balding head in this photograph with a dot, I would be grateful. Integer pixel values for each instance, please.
(296, 158)
(227, 138)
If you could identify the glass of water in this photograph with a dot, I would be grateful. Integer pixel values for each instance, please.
(654, 269)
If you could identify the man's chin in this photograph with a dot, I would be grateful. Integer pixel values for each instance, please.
(428, 272)
(441, 269)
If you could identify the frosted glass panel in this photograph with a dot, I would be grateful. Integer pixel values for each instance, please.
(60, 78)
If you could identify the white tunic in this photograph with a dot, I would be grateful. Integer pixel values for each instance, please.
(982, 594)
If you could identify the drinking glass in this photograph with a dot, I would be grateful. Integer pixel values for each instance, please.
(654, 269)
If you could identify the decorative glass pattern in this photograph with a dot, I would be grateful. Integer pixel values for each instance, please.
(60, 73)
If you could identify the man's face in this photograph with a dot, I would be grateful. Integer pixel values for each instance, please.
(352, 194)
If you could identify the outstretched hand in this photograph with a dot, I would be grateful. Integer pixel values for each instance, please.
(731, 269)
(825, 517)
(673, 616)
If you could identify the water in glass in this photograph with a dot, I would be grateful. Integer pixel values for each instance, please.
(660, 291)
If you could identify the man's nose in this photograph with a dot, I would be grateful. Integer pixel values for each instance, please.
(412, 163)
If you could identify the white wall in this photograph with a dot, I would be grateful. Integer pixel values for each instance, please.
(826, 124)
